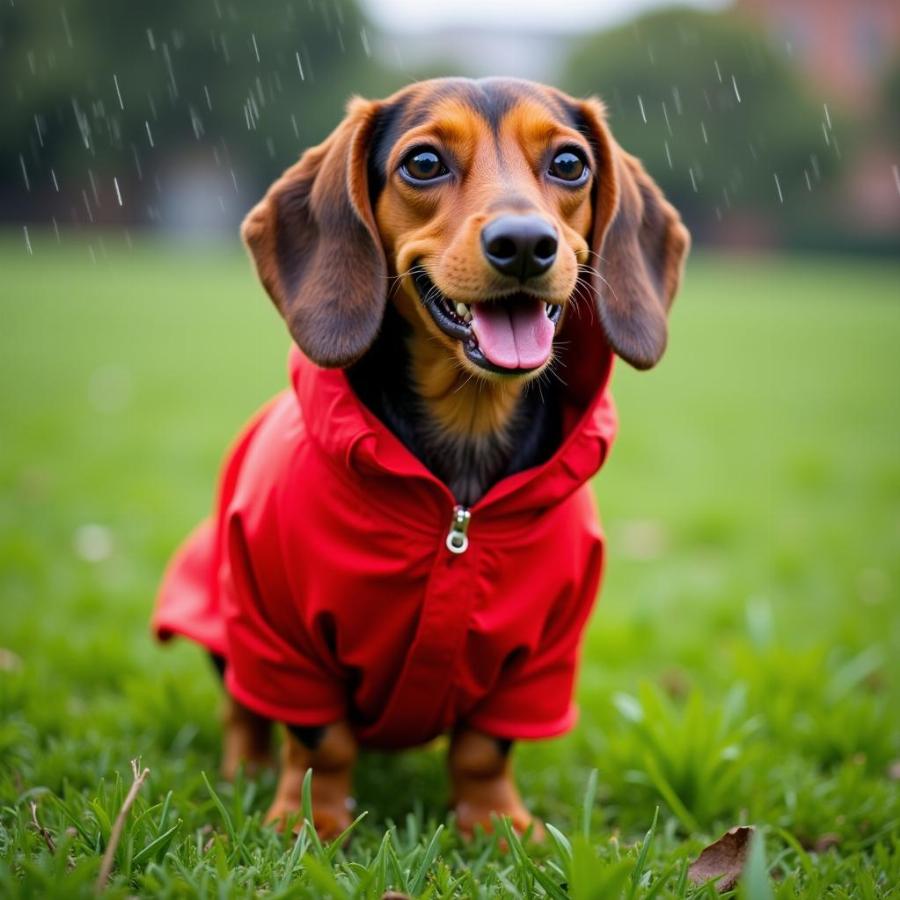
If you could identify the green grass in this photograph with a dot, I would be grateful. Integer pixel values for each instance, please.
(743, 665)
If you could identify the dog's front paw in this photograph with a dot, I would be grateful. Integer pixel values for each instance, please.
(498, 802)
(330, 817)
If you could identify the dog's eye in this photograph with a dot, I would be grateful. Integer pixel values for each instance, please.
(569, 166)
(423, 165)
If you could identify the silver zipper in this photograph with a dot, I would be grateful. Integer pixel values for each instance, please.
(457, 537)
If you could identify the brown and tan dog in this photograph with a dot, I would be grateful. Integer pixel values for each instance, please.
(380, 248)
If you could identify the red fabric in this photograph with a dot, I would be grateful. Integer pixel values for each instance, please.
(325, 582)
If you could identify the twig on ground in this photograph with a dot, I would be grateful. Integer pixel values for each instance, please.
(43, 832)
(140, 776)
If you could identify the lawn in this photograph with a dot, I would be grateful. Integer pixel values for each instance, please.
(743, 665)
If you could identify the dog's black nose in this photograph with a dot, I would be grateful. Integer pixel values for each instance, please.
(521, 246)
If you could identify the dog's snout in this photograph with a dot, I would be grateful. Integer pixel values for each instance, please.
(520, 245)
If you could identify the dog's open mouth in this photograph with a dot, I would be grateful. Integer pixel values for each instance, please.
(510, 335)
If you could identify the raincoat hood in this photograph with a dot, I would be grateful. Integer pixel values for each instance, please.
(346, 430)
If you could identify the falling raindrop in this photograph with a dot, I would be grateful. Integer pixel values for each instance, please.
(641, 106)
(814, 162)
(118, 91)
(736, 92)
(94, 190)
(137, 163)
(65, 23)
(27, 241)
(300, 66)
(173, 87)
(778, 187)
(87, 205)
(896, 173)
(25, 173)
(118, 192)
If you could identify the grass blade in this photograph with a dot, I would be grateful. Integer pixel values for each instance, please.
(641, 862)
(431, 852)
(587, 809)
(157, 844)
(223, 812)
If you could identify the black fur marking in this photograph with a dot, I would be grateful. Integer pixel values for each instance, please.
(490, 98)
(383, 381)
(309, 735)
(218, 664)
(388, 128)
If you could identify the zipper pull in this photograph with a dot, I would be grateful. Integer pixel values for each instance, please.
(457, 539)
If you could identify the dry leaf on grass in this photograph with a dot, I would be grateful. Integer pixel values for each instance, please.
(723, 859)
(826, 841)
(9, 661)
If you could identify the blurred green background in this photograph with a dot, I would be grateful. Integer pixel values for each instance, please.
(768, 122)
(744, 661)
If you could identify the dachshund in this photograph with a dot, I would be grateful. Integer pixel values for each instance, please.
(446, 249)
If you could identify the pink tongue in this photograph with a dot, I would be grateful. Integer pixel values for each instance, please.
(514, 335)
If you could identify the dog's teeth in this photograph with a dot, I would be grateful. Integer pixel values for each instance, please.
(462, 310)
(549, 310)
(468, 316)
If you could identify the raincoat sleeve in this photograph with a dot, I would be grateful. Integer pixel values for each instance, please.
(533, 697)
(274, 665)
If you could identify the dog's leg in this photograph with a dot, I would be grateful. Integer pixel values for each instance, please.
(330, 752)
(482, 784)
(246, 740)
(246, 735)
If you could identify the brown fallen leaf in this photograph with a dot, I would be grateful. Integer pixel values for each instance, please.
(723, 859)
(395, 895)
(826, 841)
(893, 771)
(9, 661)
(675, 683)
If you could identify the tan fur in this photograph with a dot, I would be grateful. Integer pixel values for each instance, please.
(442, 229)
(325, 256)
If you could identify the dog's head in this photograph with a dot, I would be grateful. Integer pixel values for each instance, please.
(482, 209)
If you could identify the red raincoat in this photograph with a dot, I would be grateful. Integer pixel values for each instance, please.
(326, 582)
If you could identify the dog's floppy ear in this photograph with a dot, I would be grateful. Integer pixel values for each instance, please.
(640, 245)
(316, 247)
